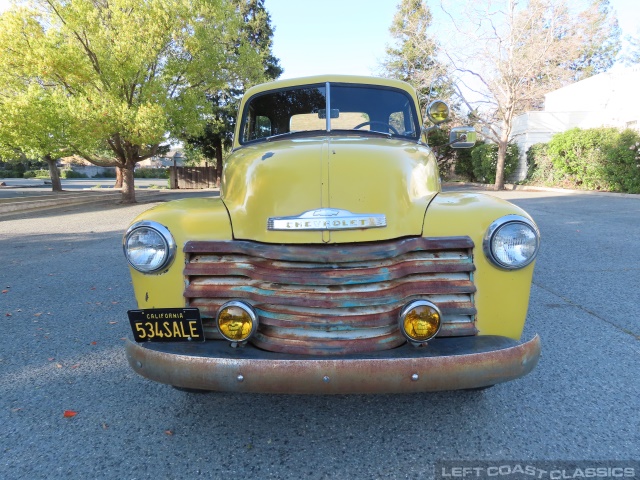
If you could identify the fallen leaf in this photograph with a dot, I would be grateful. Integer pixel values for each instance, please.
(93, 343)
(115, 303)
(5, 291)
(58, 365)
(18, 309)
(69, 413)
(92, 288)
(16, 409)
(75, 366)
(105, 426)
(8, 314)
(168, 432)
(37, 314)
(51, 359)
(112, 323)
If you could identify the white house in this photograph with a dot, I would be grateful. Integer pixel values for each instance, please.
(610, 99)
(169, 159)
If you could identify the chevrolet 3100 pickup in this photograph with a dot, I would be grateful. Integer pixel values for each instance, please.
(332, 262)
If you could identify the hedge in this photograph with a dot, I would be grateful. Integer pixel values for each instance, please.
(593, 159)
(484, 159)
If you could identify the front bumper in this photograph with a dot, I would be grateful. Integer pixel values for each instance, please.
(445, 364)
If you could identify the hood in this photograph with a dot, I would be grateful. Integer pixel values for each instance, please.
(368, 188)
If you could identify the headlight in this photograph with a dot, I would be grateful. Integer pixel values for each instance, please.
(149, 247)
(438, 111)
(511, 242)
(236, 321)
(420, 321)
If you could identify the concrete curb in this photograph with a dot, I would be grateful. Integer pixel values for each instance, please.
(534, 188)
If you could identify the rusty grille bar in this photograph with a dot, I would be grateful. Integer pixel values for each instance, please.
(328, 299)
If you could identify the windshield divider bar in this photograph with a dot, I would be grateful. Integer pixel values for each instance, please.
(328, 106)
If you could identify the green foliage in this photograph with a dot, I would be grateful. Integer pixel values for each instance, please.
(464, 162)
(108, 80)
(413, 57)
(578, 156)
(68, 173)
(217, 136)
(622, 168)
(540, 167)
(594, 159)
(484, 159)
(36, 174)
(151, 173)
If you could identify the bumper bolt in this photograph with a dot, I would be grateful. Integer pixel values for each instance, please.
(325, 379)
(414, 377)
(240, 378)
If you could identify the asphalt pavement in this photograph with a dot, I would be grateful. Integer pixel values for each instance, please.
(66, 289)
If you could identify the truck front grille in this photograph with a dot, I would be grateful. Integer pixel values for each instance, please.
(337, 298)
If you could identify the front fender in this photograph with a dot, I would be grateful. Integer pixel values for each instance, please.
(502, 296)
(188, 219)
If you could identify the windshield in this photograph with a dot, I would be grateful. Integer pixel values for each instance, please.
(355, 108)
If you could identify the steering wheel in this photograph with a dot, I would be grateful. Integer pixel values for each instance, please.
(389, 127)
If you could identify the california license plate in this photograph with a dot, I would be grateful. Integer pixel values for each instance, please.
(166, 325)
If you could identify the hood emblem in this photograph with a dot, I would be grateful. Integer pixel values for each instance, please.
(328, 219)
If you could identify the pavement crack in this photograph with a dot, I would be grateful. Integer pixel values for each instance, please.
(586, 310)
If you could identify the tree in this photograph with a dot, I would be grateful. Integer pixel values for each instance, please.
(414, 56)
(515, 54)
(599, 40)
(134, 73)
(632, 56)
(33, 124)
(257, 33)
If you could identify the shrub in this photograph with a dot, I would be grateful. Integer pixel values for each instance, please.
(540, 167)
(579, 156)
(596, 159)
(151, 173)
(36, 174)
(484, 160)
(11, 174)
(68, 173)
(464, 162)
(622, 167)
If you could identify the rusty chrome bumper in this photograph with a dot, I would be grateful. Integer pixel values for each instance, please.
(445, 364)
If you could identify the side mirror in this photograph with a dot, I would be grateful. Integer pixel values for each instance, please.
(462, 137)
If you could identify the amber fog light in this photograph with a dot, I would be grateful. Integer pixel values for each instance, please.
(420, 321)
(236, 321)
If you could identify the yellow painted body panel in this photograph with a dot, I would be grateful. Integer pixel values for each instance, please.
(191, 219)
(360, 174)
(502, 296)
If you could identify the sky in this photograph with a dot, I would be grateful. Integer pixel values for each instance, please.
(314, 37)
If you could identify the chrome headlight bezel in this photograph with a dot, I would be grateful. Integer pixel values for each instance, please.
(166, 238)
(245, 307)
(497, 226)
